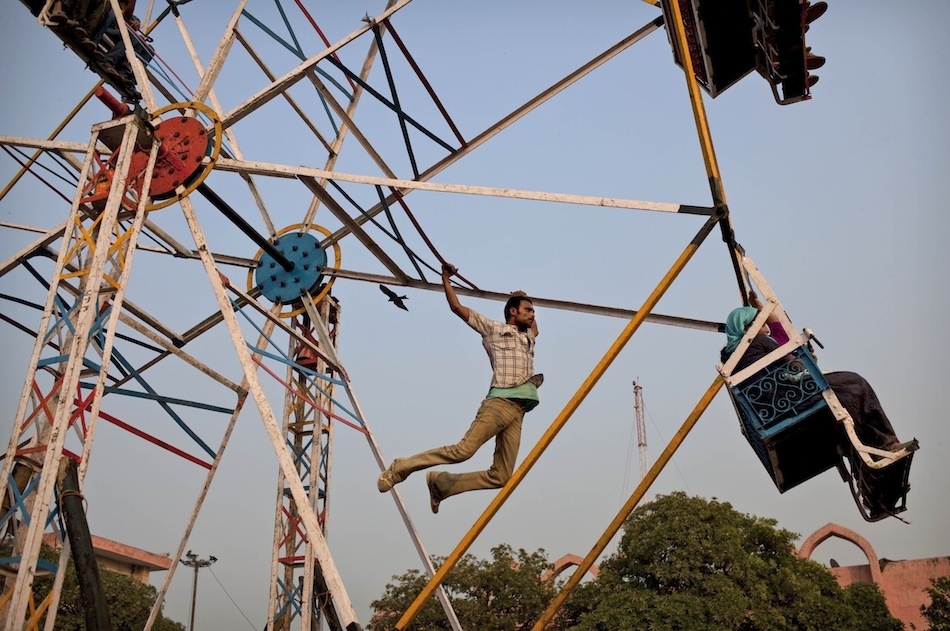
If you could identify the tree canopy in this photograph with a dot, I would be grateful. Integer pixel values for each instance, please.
(130, 601)
(937, 612)
(682, 563)
(691, 563)
(503, 593)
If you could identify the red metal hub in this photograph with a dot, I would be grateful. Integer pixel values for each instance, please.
(185, 144)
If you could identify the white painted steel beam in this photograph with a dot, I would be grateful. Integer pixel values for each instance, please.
(341, 602)
(564, 305)
(302, 172)
(441, 594)
(354, 227)
(94, 266)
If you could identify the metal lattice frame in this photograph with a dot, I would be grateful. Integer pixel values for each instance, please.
(99, 332)
(97, 249)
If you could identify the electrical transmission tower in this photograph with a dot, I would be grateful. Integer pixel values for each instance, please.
(641, 428)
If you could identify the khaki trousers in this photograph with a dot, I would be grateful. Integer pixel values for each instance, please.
(500, 418)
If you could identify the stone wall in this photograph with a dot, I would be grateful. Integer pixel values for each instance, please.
(903, 583)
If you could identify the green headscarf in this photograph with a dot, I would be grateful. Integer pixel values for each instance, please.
(736, 324)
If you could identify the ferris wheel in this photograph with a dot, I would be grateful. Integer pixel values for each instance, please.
(225, 187)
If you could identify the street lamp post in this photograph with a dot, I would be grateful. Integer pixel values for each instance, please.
(195, 562)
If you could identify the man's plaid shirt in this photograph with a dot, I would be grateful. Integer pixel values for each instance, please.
(510, 351)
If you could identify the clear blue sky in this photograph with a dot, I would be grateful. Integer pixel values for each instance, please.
(836, 200)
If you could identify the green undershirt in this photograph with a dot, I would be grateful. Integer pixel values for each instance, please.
(526, 394)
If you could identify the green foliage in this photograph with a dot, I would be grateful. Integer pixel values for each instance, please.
(937, 612)
(504, 593)
(130, 601)
(682, 563)
(690, 563)
(867, 599)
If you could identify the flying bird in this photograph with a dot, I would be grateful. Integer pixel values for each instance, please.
(393, 298)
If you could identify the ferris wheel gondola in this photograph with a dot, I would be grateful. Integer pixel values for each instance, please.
(91, 31)
(790, 413)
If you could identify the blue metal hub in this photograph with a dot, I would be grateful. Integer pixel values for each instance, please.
(309, 260)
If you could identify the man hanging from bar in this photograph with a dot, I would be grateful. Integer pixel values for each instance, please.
(513, 391)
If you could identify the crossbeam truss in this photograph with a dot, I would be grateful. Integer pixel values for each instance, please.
(90, 328)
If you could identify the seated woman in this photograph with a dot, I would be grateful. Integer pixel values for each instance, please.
(853, 391)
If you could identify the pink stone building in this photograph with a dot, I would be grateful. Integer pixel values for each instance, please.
(120, 558)
(903, 583)
(565, 563)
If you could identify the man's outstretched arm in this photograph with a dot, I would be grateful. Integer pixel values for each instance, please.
(448, 270)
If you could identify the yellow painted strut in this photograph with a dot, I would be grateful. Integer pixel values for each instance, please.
(558, 423)
(630, 504)
(705, 139)
(696, 100)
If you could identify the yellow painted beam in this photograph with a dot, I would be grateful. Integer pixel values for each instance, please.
(558, 424)
(630, 504)
(716, 188)
(696, 100)
(33, 624)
